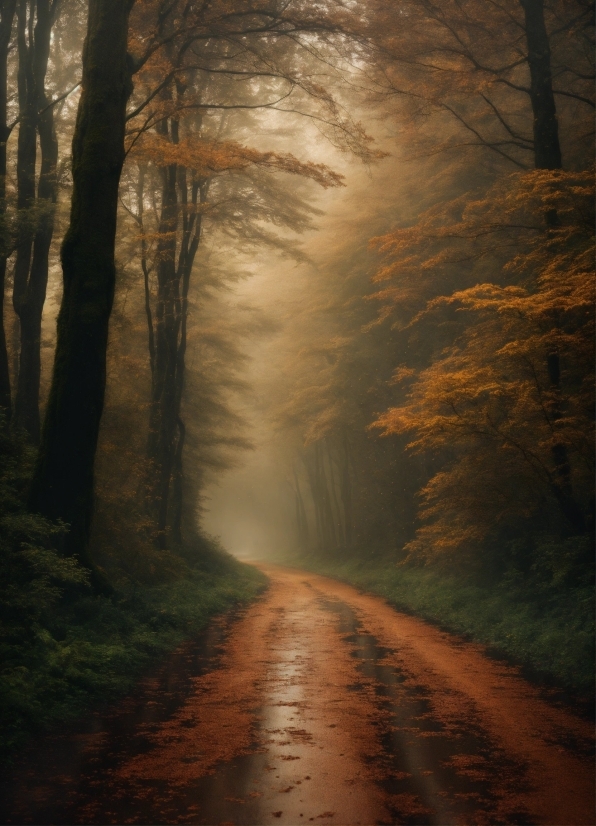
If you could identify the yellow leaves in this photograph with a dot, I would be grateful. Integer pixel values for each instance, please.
(510, 229)
(402, 374)
(207, 158)
(489, 399)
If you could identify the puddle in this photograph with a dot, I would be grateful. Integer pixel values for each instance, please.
(432, 775)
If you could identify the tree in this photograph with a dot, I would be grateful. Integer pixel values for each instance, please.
(62, 486)
(491, 73)
(515, 424)
(36, 210)
(7, 11)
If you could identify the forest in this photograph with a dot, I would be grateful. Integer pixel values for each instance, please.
(308, 282)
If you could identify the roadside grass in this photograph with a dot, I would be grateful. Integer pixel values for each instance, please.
(92, 649)
(549, 631)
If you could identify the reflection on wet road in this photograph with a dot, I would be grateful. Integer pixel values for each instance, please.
(317, 705)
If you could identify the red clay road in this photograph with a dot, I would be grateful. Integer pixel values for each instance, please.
(327, 706)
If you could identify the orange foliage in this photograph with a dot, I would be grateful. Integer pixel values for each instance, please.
(489, 399)
(464, 64)
(208, 158)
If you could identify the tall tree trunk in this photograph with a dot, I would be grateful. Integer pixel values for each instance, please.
(346, 491)
(191, 237)
(323, 501)
(561, 486)
(334, 504)
(547, 149)
(179, 237)
(301, 518)
(547, 155)
(162, 423)
(311, 475)
(177, 494)
(32, 284)
(26, 160)
(7, 12)
(62, 486)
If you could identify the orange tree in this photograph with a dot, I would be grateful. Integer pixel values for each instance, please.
(508, 404)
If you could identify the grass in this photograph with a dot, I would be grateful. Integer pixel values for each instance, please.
(550, 631)
(93, 649)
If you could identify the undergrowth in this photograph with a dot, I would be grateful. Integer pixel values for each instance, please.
(64, 648)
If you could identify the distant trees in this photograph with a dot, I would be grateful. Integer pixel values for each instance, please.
(351, 489)
(480, 353)
(190, 79)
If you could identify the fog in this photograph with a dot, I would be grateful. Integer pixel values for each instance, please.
(251, 507)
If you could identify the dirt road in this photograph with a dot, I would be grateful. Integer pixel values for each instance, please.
(321, 705)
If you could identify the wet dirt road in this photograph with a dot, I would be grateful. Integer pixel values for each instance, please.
(321, 705)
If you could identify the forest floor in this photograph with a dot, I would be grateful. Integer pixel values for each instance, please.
(317, 704)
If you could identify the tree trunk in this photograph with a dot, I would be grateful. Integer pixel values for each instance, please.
(346, 492)
(177, 506)
(32, 284)
(7, 12)
(562, 487)
(179, 237)
(325, 522)
(301, 518)
(163, 419)
(26, 159)
(334, 500)
(547, 149)
(547, 155)
(309, 465)
(62, 486)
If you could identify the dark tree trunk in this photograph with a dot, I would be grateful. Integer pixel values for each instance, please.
(7, 12)
(547, 149)
(562, 487)
(329, 523)
(317, 479)
(301, 518)
(312, 483)
(346, 492)
(547, 155)
(337, 512)
(191, 236)
(26, 159)
(177, 504)
(163, 419)
(180, 232)
(31, 276)
(62, 486)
